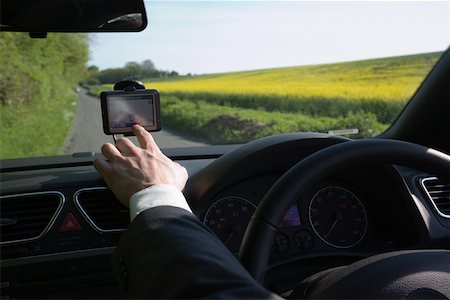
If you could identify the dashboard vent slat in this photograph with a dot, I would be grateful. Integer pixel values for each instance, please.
(439, 193)
(102, 210)
(28, 217)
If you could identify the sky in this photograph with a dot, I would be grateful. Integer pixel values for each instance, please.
(201, 37)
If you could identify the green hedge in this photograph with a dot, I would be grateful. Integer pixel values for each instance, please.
(385, 111)
(37, 102)
(224, 124)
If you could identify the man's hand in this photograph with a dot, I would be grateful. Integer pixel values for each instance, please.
(128, 169)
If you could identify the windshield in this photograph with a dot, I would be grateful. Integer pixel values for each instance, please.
(228, 72)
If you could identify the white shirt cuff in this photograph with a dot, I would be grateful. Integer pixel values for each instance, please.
(157, 195)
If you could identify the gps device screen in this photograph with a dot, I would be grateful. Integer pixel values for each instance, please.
(121, 110)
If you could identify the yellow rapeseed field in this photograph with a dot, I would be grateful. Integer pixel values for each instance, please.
(390, 79)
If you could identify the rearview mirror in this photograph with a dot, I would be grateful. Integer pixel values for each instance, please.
(41, 16)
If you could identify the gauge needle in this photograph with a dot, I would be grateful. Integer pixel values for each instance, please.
(229, 237)
(331, 229)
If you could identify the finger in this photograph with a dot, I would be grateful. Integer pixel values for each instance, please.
(105, 169)
(101, 165)
(110, 152)
(145, 138)
(126, 147)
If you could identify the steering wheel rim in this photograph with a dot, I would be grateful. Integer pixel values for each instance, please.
(255, 248)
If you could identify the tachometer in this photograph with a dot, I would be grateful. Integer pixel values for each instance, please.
(228, 218)
(338, 217)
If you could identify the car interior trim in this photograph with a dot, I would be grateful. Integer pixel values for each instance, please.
(37, 163)
(57, 256)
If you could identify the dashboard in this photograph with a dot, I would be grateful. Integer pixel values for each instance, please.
(60, 223)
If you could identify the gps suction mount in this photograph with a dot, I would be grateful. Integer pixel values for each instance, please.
(127, 85)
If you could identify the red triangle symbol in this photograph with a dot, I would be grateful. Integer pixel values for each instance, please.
(70, 224)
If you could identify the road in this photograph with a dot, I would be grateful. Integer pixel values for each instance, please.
(87, 131)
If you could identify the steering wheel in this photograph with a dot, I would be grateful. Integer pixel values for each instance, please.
(255, 249)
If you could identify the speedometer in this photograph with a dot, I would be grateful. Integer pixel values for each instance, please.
(338, 217)
(228, 218)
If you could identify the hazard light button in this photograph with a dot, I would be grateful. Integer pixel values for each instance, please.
(69, 224)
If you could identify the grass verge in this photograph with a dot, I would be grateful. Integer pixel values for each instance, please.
(36, 130)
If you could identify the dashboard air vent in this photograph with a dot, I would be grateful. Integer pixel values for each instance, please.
(439, 193)
(102, 210)
(28, 217)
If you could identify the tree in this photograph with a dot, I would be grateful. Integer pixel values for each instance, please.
(93, 70)
(112, 75)
(133, 69)
(92, 78)
(148, 65)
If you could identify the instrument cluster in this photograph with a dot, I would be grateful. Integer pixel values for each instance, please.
(330, 216)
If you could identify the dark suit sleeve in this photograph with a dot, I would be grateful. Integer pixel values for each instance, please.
(168, 253)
